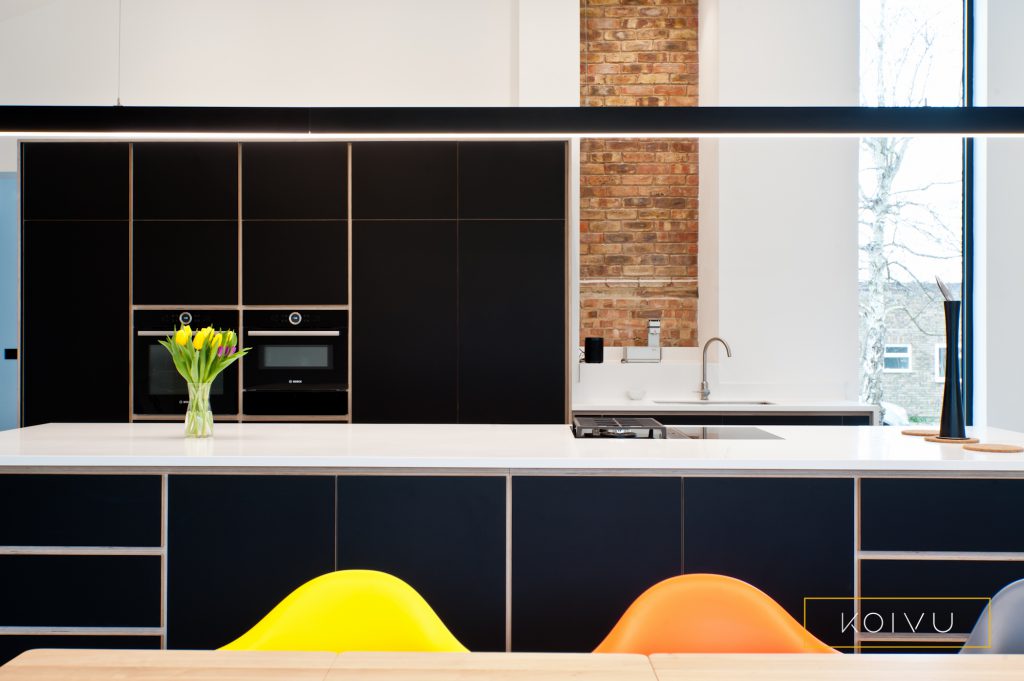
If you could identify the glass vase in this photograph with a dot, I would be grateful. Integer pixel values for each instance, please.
(198, 417)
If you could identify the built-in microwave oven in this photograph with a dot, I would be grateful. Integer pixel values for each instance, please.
(298, 363)
(157, 387)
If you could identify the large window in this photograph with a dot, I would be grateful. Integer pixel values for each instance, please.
(911, 197)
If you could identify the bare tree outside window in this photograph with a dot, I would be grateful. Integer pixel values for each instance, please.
(911, 193)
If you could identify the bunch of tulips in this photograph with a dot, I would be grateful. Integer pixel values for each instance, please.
(200, 356)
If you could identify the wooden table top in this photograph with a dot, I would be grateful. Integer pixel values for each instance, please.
(489, 666)
(866, 667)
(177, 665)
(160, 665)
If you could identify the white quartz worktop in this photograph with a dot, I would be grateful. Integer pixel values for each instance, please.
(741, 405)
(803, 449)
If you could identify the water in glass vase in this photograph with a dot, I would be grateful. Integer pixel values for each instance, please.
(198, 417)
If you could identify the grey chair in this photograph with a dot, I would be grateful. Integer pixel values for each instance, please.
(1007, 634)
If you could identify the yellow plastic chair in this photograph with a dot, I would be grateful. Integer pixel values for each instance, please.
(351, 610)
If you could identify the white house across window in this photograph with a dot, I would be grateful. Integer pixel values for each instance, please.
(897, 359)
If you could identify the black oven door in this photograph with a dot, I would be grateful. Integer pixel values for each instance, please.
(296, 371)
(157, 387)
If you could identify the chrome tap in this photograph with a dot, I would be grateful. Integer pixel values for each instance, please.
(705, 390)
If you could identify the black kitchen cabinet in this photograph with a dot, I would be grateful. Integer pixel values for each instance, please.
(80, 510)
(299, 262)
(512, 181)
(790, 537)
(237, 546)
(185, 262)
(185, 181)
(941, 515)
(72, 282)
(295, 181)
(445, 536)
(80, 591)
(512, 316)
(404, 180)
(404, 321)
(954, 590)
(584, 549)
(74, 181)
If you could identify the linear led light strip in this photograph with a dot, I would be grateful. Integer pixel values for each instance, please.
(520, 136)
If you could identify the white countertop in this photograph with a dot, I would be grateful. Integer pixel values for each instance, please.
(655, 405)
(807, 449)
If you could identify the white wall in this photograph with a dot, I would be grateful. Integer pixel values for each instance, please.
(778, 217)
(782, 52)
(999, 225)
(295, 53)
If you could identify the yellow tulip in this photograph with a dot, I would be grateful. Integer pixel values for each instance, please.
(199, 340)
(217, 341)
(182, 336)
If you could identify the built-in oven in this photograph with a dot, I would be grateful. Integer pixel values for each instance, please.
(157, 387)
(298, 365)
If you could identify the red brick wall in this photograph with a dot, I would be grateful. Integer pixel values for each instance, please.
(638, 212)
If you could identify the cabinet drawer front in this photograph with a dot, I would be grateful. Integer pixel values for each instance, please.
(80, 591)
(941, 515)
(80, 510)
(949, 588)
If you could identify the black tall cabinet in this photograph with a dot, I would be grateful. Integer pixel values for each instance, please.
(458, 310)
(74, 281)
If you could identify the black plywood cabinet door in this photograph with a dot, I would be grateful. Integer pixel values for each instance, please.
(512, 180)
(584, 548)
(404, 180)
(445, 536)
(237, 546)
(74, 181)
(941, 515)
(791, 538)
(297, 262)
(185, 262)
(80, 510)
(73, 279)
(512, 372)
(404, 325)
(295, 181)
(185, 181)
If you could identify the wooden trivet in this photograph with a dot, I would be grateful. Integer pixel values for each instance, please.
(952, 440)
(993, 448)
(920, 433)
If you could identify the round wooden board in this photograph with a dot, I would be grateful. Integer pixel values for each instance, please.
(993, 448)
(915, 432)
(952, 440)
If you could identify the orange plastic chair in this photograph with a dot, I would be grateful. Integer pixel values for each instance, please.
(708, 614)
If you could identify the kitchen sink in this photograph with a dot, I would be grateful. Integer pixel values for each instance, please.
(710, 403)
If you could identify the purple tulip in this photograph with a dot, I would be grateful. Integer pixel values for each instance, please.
(232, 350)
(220, 351)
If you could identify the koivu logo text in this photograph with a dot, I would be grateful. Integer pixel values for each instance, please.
(892, 622)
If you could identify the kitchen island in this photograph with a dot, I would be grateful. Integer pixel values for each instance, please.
(521, 537)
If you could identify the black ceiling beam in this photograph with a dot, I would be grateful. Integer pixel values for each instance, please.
(651, 121)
